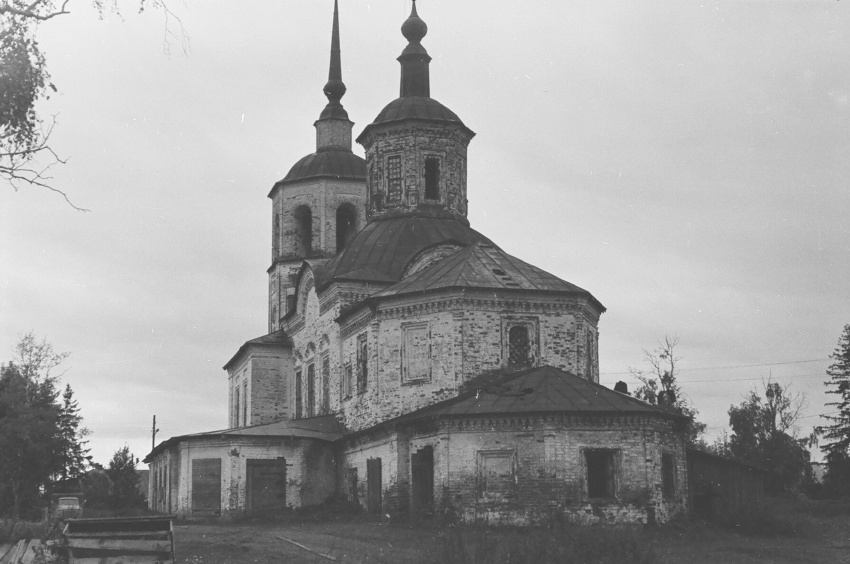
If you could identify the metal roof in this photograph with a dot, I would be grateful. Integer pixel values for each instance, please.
(544, 389)
(333, 163)
(481, 266)
(382, 249)
(325, 427)
(276, 339)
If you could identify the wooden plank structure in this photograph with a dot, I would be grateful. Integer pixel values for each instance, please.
(21, 552)
(719, 486)
(123, 540)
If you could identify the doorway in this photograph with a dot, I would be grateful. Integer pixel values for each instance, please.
(422, 474)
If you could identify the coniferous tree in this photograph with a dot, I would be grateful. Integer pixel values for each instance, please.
(837, 431)
(72, 454)
(125, 480)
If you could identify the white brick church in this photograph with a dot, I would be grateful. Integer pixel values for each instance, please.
(411, 365)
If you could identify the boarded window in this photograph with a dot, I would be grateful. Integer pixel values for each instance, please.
(362, 364)
(206, 486)
(394, 178)
(416, 352)
(432, 178)
(668, 473)
(299, 401)
(601, 473)
(496, 475)
(326, 384)
(519, 346)
(311, 390)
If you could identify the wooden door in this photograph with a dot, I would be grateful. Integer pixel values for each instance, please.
(373, 485)
(206, 486)
(266, 485)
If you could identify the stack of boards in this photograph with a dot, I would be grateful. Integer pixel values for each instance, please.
(22, 552)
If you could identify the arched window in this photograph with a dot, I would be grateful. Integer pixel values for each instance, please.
(346, 225)
(276, 236)
(519, 348)
(303, 231)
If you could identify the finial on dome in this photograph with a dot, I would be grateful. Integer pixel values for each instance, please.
(413, 28)
(334, 89)
(414, 59)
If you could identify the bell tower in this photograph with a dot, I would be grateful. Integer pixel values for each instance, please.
(320, 204)
(416, 147)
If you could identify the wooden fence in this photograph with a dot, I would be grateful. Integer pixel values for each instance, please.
(718, 486)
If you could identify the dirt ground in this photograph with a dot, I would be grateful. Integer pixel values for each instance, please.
(826, 540)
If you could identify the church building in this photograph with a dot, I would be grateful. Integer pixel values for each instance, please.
(412, 366)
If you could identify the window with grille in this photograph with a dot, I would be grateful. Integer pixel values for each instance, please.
(601, 473)
(519, 346)
(362, 364)
(394, 178)
(311, 390)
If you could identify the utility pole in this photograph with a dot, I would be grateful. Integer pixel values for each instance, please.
(153, 433)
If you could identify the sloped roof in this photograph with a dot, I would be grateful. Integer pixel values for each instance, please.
(276, 339)
(544, 389)
(333, 163)
(325, 428)
(481, 266)
(382, 249)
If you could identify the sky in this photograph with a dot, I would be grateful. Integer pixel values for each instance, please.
(686, 162)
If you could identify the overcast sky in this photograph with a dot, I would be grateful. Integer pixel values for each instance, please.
(686, 162)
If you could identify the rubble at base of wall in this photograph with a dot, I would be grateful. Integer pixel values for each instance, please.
(583, 514)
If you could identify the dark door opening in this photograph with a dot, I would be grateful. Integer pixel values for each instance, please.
(422, 474)
(206, 486)
(266, 485)
(373, 485)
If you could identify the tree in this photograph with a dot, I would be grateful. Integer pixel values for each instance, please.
(837, 431)
(25, 153)
(659, 386)
(72, 452)
(764, 434)
(125, 480)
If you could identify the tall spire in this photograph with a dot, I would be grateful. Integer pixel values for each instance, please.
(334, 88)
(414, 59)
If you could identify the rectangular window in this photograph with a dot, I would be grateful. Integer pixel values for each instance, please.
(352, 485)
(416, 352)
(245, 402)
(362, 364)
(394, 178)
(519, 348)
(347, 381)
(496, 475)
(236, 406)
(298, 399)
(311, 390)
(668, 473)
(519, 339)
(326, 384)
(432, 178)
(601, 473)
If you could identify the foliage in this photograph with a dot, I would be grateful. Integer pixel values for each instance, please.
(96, 486)
(774, 518)
(31, 438)
(659, 386)
(837, 431)
(25, 153)
(567, 544)
(124, 491)
(763, 434)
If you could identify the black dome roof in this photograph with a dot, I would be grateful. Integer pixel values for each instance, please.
(335, 163)
(416, 107)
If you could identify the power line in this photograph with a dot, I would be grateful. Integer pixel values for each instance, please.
(729, 367)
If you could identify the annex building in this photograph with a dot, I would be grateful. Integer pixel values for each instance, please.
(412, 366)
